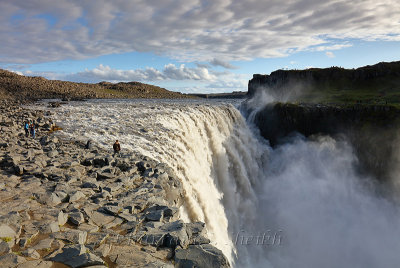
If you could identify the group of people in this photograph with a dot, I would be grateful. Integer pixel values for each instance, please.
(30, 129)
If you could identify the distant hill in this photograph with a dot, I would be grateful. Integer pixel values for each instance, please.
(379, 83)
(19, 87)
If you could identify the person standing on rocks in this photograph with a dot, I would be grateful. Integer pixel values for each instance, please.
(32, 130)
(26, 128)
(116, 147)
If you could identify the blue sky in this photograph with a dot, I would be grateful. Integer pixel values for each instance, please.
(193, 45)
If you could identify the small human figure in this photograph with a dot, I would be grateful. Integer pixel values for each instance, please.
(89, 144)
(116, 147)
(32, 130)
(26, 128)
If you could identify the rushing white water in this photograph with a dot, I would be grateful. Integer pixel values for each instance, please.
(299, 205)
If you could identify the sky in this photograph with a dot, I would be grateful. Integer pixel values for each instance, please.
(193, 46)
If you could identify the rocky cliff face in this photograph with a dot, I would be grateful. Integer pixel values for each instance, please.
(358, 106)
(372, 130)
(381, 78)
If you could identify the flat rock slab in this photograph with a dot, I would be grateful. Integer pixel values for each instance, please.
(43, 244)
(7, 232)
(77, 256)
(100, 219)
(36, 264)
(4, 247)
(132, 256)
(11, 260)
(72, 236)
(200, 256)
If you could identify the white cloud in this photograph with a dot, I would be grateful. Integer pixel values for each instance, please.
(170, 72)
(218, 62)
(331, 47)
(189, 30)
(171, 77)
(330, 54)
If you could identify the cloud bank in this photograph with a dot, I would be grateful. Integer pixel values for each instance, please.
(208, 81)
(170, 72)
(189, 30)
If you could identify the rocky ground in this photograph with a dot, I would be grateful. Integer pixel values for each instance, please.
(62, 205)
(19, 87)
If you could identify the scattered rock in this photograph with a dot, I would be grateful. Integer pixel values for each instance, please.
(77, 256)
(31, 253)
(6, 232)
(4, 247)
(200, 256)
(72, 236)
(11, 260)
(113, 202)
(76, 196)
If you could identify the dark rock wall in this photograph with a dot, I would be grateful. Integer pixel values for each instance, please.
(372, 130)
(316, 79)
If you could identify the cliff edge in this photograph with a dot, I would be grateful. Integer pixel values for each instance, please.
(379, 83)
(359, 105)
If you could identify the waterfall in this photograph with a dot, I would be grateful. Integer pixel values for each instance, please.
(301, 204)
(209, 147)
